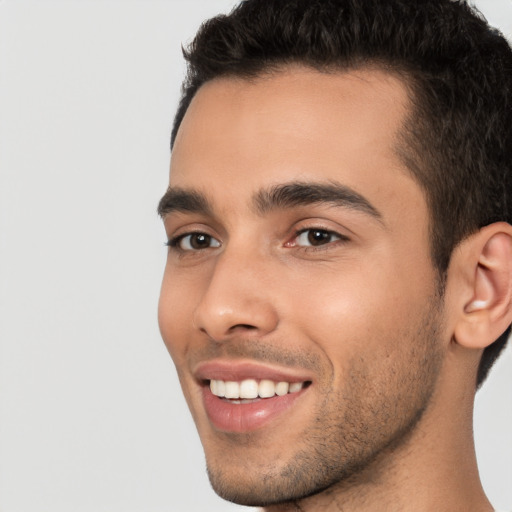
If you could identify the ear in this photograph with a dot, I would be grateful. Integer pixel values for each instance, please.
(484, 261)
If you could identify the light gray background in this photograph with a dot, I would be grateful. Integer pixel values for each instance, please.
(91, 416)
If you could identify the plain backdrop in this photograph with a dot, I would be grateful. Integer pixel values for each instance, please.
(91, 414)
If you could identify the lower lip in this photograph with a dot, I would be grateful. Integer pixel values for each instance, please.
(245, 417)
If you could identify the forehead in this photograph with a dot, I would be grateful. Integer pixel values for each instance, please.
(296, 124)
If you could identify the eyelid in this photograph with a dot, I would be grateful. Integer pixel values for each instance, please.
(180, 228)
(303, 232)
(174, 242)
(318, 225)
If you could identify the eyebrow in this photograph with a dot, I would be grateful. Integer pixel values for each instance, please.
(294, 194)
(277, 197)
(184, 201)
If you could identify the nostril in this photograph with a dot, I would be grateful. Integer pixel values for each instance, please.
(246, 327)
(220, 315)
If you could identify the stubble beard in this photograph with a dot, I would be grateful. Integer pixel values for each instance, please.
(354, 429)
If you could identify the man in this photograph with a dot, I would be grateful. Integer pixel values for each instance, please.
(339, 276)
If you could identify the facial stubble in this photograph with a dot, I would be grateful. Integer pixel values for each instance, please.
(356, 430)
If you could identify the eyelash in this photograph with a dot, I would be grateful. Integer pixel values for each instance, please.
(322, 246)
(174, 243)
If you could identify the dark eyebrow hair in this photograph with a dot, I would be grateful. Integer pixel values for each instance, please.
(289, 195)
(181, 200)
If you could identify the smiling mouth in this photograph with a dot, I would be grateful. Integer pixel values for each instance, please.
(243, 396)
(250, 390)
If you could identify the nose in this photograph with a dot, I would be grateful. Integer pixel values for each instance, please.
(237, 300)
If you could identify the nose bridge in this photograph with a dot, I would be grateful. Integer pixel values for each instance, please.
(237, 297)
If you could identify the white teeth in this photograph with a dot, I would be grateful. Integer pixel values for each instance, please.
(295, 386)
(218, 387)
(250, 388)
(232, 390)
(266, 389)
(221, 388)
(282, 388)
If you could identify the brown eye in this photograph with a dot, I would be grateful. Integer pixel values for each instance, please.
(196, 242)
(316, 237)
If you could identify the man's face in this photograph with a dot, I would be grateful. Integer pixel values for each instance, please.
(298, 280)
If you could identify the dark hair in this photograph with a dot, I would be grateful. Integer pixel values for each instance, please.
(457, 141)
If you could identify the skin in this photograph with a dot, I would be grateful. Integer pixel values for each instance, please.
(388, 411)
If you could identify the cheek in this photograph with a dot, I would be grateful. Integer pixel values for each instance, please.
(358, 312)
(175, 309)
(175, 313)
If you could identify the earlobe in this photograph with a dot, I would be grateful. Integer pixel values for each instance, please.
(488, 311)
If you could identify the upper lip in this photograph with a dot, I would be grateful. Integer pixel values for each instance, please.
(233, 370)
